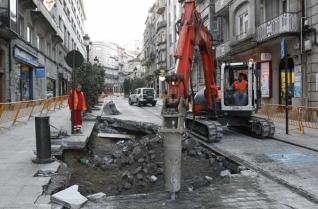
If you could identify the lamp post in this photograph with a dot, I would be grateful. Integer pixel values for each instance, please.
(87, 43)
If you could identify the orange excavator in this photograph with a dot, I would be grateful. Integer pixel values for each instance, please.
(232, 104)
(215, 106)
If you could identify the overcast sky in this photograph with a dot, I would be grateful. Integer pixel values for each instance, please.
(120, 21)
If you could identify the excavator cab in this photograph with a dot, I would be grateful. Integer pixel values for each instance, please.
(239, 87)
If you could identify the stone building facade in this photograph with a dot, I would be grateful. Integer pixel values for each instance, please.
(259, 30)
(155, 46)
(33, 48)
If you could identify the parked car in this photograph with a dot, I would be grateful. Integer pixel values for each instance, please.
(143, 96)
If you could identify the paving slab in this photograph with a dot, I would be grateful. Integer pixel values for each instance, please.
(69, 198)
(239, 193)
(18, 187)
(116, 136)
(290, 165)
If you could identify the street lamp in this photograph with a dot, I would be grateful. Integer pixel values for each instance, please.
(87, 43)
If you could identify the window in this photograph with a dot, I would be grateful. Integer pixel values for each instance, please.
(68, 40)
(21, 26)
(48, 49)
(54, 53)
(29, 35)
(38, 41)
(284, 6)
(243, 24)
(61, 24)
(262, 11)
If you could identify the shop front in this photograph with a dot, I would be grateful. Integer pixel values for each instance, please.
(25, 71)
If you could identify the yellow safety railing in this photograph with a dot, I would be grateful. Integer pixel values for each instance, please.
(16, 111)
(299, 117)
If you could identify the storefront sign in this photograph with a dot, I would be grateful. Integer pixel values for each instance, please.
(266, 56)
(297, 84)
(49, 4)
(265, 80)
(40, 73)
(25, 57)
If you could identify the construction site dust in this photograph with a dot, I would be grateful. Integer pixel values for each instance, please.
(135, 165)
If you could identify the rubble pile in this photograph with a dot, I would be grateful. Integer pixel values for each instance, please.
(136, 165)
(192, 148)
(138, 161)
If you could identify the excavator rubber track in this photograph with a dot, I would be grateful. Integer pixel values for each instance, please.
(257, 127)
(261, 127)
(207, 130)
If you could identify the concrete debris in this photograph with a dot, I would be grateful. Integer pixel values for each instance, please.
(43, 173)
(225, 173)
(153, 178)
(208, 178)
(110, 109)
(115, 136)
(96, 197)
(211, 161)
(69, 198)
(249, 173)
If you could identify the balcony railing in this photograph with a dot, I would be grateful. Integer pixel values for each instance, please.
(284, 23)
(222, 49)
(220, 4)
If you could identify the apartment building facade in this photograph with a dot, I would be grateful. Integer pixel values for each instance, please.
(155, 46)
(259, 30)
(33, 51)
(107, 55)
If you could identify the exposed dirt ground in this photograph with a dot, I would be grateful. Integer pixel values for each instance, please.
(136, 166)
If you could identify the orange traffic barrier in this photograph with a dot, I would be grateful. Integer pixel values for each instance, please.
(299, 117)
(11, 113)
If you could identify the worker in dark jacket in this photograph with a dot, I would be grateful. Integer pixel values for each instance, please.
(79, 107)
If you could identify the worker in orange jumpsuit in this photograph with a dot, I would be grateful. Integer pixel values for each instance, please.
(240, 87)
(79, 107)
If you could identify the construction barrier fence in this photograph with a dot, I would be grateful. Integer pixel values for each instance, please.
(299, 117)
(14, 112)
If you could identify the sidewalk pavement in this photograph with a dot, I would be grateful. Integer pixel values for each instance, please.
(309, 140)
(18, 187)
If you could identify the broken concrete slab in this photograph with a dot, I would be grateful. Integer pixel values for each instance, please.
(79, 141)
(96, 197)
(69, 198)
(110, 109)
(116, 136)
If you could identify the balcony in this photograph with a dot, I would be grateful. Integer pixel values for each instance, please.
(8, 20)
(42, 16)
(161, 6)
(287, 23)
(220, 5)
(222, 49)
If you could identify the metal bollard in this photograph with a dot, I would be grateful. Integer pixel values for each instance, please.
(43, 141)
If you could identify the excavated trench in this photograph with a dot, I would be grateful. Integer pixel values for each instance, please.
(133, 166)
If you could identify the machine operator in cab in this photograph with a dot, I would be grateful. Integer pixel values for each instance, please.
(240, 88)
